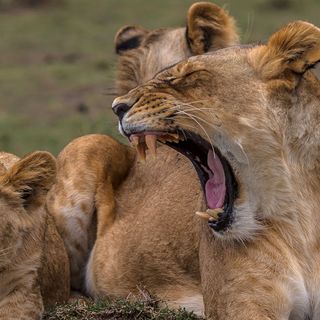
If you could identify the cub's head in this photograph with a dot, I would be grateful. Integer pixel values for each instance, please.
(23, 187)
(143, 53)
(247, 119)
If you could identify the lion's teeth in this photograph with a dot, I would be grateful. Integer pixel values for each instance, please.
(141, 151)
(134, 140)
(210, 214)
(214, 213)
(151, 142)
(175, 136)
(203, 215)
(139, 145)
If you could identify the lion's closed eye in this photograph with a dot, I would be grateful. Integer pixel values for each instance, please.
(188, 78)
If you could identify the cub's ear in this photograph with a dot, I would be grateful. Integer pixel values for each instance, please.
(294, 48)
(209, 27)
(129, 37)
(32, 177)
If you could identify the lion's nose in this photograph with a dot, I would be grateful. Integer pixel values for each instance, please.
(120, 109)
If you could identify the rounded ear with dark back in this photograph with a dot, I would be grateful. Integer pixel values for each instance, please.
(129, 37)
(32, 177)
(209, 27)
(292, 50)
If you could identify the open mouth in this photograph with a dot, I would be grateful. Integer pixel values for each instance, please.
(215, 174)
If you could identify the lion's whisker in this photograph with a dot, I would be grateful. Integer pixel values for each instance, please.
(200, 109)
(205, 112)
(200, 125)
(186, 125)
(197, 101)
(199, 118)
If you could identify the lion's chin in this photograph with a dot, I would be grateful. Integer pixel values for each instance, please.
(215, 173)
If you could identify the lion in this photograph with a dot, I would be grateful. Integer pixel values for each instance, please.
(33, 261)
(144, 53)
(106, 200)
(248, 119)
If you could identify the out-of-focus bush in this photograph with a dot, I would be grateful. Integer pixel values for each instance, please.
(15, 4)
(281, 4)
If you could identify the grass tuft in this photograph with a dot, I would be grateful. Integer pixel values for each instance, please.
(124, 309)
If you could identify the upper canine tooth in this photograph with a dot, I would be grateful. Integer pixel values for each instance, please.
(134, 140)
(151, 142)
(141, 151)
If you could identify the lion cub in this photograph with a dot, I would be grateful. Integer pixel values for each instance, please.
(34, 270)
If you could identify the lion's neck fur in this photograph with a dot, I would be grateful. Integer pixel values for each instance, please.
(299, 222)
(303, 129)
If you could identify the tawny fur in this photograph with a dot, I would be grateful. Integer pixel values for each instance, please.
(33, 262)
(208, 28)
(260, 107)
(90, 168)
(143, 206)
(283, 53)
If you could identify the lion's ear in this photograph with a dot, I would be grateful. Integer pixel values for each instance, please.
(32, 176)
(209, 27)
(295, 48)
(129, 37)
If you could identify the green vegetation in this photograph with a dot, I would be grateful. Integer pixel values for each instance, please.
(57, 61)
(85, 309)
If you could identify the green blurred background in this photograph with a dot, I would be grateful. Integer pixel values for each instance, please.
(57, 60)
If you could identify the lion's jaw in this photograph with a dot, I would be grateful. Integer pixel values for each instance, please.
(222, 98)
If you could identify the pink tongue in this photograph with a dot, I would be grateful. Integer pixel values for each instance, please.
(215, 186)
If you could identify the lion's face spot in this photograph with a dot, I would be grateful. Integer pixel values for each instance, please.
(233, 122)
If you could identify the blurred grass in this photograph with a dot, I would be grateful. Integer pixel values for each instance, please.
(57, 61)
(120, 309)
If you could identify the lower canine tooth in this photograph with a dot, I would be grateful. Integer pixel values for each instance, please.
(210, 214)
(203, 215)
